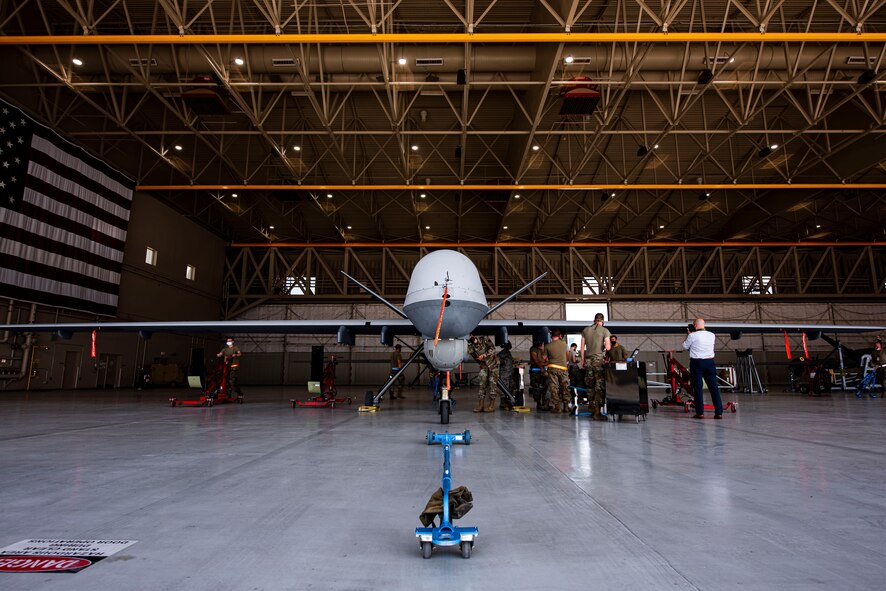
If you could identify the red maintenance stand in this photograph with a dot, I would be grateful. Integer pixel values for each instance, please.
(218, 387)
(327, 392)
(680, 381)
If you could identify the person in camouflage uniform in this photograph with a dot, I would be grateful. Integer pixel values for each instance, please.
(506, 372)
(558, 377)
(396, 367)
(595, 343)
(538, 360)
(482, 349)
(231, 354)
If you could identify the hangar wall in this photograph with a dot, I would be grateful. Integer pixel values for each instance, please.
(147, 292)
(276, 359)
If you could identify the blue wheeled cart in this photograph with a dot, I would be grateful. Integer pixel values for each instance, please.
(447, 534)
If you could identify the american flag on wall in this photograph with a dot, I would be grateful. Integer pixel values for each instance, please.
(63, 219)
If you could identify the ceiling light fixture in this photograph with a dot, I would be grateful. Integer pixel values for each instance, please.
(517, 196)
(764, 152)
(239, 61)
(661, 227)
(77, 61)
(773, 147)
(703, 196)
(427, 227)
(414, 148)
(179, 148)
(642, 151)
(536, 148)
(504, 227)
(655, 147)
(329, 195)
(349, 227)
(234, 195)
(296, 148)
(270, 227)
(402, 61)
(423, 195)
(568, 59)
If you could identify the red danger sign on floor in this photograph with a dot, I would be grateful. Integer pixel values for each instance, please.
(57, 556)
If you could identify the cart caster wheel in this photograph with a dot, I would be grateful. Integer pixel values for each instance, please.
(466, 548)
(426, 549)
(467, 438)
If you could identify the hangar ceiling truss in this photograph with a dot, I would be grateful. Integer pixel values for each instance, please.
(473, 92)
(257, 275)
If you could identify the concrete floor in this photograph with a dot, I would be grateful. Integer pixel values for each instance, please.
(786, 494)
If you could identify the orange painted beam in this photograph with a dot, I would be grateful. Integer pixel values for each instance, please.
(579, 187)
(728, 244)
(436, 38)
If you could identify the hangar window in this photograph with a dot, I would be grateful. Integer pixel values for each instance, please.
(584, 312)
(591, 286)
(151, 256)
(191, 273)
(298, 286)
(758, 285)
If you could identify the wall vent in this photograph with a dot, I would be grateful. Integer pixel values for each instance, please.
(720, 59)
(283, 62)
(424, 62)
(136, 62)
(859, 60)
(581, 61)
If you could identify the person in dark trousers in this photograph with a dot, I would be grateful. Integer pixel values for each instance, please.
(538, 378)
(878, 362)
(700, 344)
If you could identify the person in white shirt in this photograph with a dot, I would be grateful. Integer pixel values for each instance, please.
(700, 344)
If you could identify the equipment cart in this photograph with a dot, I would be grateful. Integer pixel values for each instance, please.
(447, 534)
(626, 390)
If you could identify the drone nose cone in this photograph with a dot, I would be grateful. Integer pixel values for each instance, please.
(466, 304)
